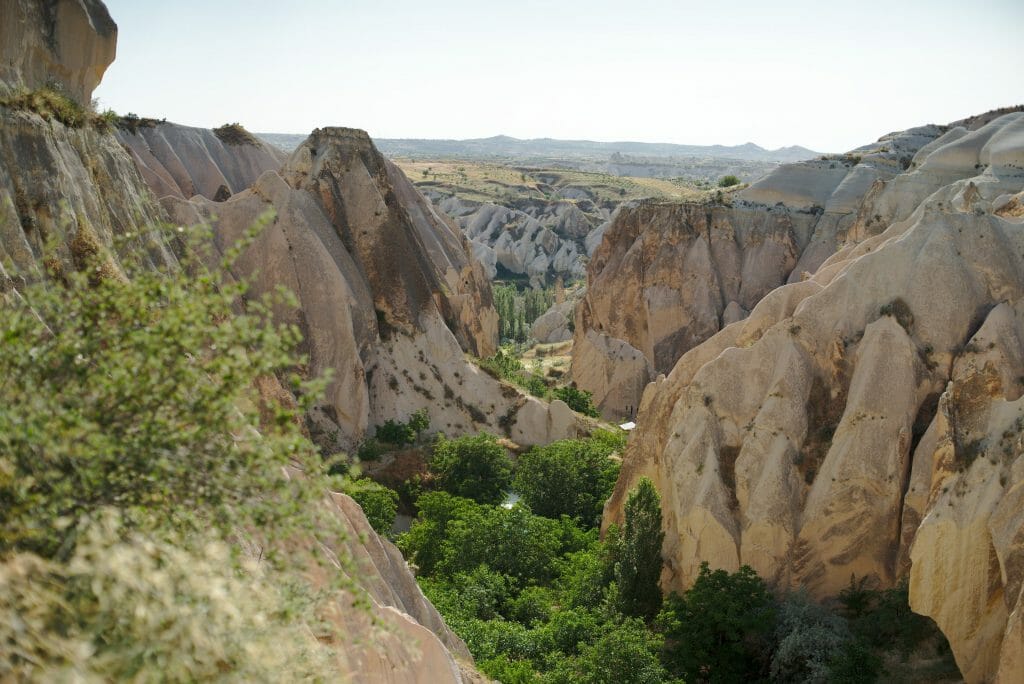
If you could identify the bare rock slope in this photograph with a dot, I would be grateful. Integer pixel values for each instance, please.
(868, 419)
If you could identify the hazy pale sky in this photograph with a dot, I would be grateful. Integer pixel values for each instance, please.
(826, 75)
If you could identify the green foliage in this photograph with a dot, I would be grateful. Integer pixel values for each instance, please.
(639, 563)
(474, 466)
(399, 433)
(126, 393)
(133, 444)
(49, 102)
(379, 503)
(855, 663)
(503, 365)
(882, 618)
(572, 477)
(625, 653)
(235, 134)
(728, 181)
(578, 400)
(718, 630)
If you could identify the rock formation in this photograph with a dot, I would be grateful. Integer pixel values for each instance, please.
(389, 295)
(865, 420)
(184, 161)
(542, 240)
(668, 276)
(65, 42)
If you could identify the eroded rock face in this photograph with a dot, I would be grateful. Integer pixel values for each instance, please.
(69, 42)
(543, 240)
(867, 420)
(390, 296)
(74, 187)
(410, 641)
(667, 276)
(184, 161)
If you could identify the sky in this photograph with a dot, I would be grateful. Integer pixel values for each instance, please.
(826, 75)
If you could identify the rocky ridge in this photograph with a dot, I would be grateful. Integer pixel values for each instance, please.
(866, 418)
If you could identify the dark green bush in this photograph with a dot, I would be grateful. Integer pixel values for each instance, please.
(475, 467)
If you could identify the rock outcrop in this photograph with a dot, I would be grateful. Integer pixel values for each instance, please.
(542, 240)
(184, 161)
(668, 276)
(65, 42)
(866, 420)
(390, 298)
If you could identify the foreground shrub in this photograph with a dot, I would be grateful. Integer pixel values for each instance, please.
(134, 607)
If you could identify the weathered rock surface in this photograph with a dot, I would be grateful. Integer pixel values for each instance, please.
(867, 420)
(390, 296)
(542, 240)
(410, 641)
(555, 324)
(668, 276)
(184, 161)
(69, 42)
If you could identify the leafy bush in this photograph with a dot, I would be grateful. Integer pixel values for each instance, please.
(134, 442)
(729, 181)
(399, 433)
(49, 102)
(475, 467)
(135, 607)
(625, 653)
(572, 477)
(125, 392)
(809, 638)
(379, 503)
(578, 400)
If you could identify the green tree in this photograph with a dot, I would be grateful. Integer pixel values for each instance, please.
(475, 467)
(572, 477)
(625, 654)
(718, 630)
(135, 449)
(379, 503)
(578, 400)
(639, 564)
(729, 181)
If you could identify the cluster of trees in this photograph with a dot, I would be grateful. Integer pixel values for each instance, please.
(517, 310)
(539, 598)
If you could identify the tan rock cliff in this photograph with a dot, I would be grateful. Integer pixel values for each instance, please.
(866, 421)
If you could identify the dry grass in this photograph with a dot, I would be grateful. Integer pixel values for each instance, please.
(491, 182)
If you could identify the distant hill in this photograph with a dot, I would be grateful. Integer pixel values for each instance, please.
(545, 149)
